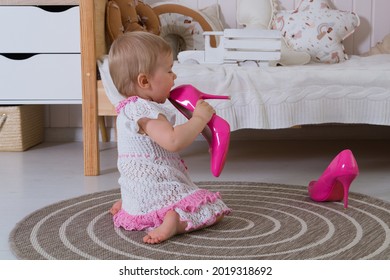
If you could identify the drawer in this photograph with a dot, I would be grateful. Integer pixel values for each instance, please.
(31, 29)
(41, 79)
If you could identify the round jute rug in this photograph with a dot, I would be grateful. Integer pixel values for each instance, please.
(269, 221)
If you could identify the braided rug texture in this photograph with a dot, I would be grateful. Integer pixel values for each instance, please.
(269, 221)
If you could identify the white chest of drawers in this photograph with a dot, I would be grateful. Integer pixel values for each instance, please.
(40, 60)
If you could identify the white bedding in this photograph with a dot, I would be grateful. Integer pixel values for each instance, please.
(355, 91)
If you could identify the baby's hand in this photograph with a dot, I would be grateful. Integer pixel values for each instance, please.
(203, 110)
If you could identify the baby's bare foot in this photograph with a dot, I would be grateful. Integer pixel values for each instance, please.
(170, 227)
(116, 207)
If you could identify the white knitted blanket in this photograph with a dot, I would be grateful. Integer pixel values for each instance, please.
(355, 91)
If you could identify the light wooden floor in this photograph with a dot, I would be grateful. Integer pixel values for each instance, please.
(51, 172)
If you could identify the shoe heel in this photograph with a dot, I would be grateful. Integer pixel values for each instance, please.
(219, 145)
(346, 181)
(205, 96)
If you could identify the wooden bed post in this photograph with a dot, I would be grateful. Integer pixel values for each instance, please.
(89, 89)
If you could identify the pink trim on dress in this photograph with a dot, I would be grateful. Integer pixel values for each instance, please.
(123, 103)
(153, 219)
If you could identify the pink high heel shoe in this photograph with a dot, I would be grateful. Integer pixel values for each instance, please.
(217, 131)
(334, 183)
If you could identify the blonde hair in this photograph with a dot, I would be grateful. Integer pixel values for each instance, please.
(133, 53)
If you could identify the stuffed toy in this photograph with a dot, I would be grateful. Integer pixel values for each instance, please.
(130, 15)
(380, 48)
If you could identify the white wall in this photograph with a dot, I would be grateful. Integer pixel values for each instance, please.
(63, 122)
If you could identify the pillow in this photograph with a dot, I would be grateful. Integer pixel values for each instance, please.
(259, 14)
(382, 47)
(183, 27)
(212, 14)
(255, 13)
(112, 93)
(318, 29)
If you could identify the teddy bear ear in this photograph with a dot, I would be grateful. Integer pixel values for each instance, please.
(113, 21)
(149, 18)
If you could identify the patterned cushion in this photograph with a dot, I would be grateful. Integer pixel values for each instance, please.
(318, 29)
(182, 27)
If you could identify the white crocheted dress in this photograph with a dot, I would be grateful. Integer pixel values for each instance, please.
(154, 180)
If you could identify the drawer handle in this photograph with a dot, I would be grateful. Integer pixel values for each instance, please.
(3, 117)
(18, 56)
(55, 9)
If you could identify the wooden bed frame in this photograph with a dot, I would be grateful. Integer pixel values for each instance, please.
(90, 87)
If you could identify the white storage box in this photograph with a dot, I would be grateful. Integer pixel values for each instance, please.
(21, 127)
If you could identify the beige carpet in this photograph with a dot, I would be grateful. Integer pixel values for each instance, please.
(268, 221)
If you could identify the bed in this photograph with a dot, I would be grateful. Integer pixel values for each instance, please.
(356, 91)
(332, 88)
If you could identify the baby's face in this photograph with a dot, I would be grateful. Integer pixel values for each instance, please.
(163, 79)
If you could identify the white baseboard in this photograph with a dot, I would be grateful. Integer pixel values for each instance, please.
(71, 134)
(63, 134)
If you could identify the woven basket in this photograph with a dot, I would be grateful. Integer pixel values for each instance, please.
(21, 127)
